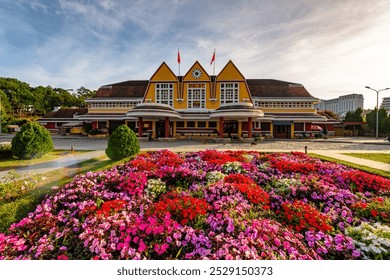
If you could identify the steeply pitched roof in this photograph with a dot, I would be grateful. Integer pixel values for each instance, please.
(65, 113)
(275, 88)
(123, 89)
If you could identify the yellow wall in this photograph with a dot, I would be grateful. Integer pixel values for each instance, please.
(163, 75)
(229, 73)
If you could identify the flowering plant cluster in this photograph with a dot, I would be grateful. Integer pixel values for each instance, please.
(302, 217)
(210, 205)
(372, 239)
(182, 208)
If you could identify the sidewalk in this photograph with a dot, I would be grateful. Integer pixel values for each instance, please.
(55, 164)
(360, 161)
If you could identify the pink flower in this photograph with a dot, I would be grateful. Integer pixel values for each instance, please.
(286, 245)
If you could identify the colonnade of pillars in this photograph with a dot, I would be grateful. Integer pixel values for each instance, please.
(249, 130)
(141, 127)
(167, 128)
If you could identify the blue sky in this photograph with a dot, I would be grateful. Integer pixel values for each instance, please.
(332, 47)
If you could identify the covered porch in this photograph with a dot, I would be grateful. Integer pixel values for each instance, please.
(236, 120)
(155, 120)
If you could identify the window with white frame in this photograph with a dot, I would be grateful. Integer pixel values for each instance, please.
(196, 96)
(270, 104)
(164, 94)
(229, 93)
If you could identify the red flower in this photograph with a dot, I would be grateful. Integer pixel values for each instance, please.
(62, 257)
(363, 181)
(247, 186)
(303, 216)
(183, 209)
(110, 207)
(374, 213)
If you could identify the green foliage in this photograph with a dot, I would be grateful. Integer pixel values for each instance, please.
(12, 186)
(32, 141)
(354, 116)
(385, 125)
(18, 97)
(16, 210)
(122, 143)
(371, 119)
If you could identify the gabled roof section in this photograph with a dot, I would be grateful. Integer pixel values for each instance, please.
(132, 89)
(230, 73)
(203, 77)
(163, 73)
(65, 113)
(275, 88)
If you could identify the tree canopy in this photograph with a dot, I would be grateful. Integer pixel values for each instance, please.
(20, 98)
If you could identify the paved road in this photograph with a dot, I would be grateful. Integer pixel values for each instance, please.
(55, 164)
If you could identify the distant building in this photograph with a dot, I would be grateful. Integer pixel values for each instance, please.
(386, 104)
(342, 104)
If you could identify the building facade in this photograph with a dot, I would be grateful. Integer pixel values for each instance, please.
(386, 104)
(199, 105)
(342, 104)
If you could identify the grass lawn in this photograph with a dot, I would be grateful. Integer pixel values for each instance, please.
(354, 165)
(381, 157)
(11, 212)
(12, 163)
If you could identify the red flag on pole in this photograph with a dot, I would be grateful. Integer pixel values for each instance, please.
(178, 56)
(213, 58)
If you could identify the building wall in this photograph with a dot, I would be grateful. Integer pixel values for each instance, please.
(342, 104)
(386, 104)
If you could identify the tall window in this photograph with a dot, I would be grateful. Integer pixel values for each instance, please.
(164, 94)
(196, 96)
(229, 93)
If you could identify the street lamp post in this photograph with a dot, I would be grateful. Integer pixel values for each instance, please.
(377, 107)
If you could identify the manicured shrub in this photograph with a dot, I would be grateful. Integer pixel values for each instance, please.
(32, 141)
(122, 143)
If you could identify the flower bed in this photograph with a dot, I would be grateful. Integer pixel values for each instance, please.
(210, 205)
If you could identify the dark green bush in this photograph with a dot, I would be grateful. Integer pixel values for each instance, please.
(32, 141)
(123, 142)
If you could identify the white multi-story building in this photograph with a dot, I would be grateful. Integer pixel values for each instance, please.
(386, 104)
(342, 104)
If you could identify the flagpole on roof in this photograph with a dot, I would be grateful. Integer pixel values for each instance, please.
(178, 60)
(213, 61)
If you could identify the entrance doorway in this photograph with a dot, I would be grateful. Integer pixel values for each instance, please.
(282, 131)
(230, 127)
(160, 129)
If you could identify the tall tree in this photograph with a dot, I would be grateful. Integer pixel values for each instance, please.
(371, 119)
(18, 93)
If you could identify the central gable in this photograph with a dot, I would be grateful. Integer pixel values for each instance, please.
(196, 74)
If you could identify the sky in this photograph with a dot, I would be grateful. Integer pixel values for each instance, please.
(332, 47)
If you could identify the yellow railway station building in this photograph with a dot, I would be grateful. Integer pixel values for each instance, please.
(198, 105)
